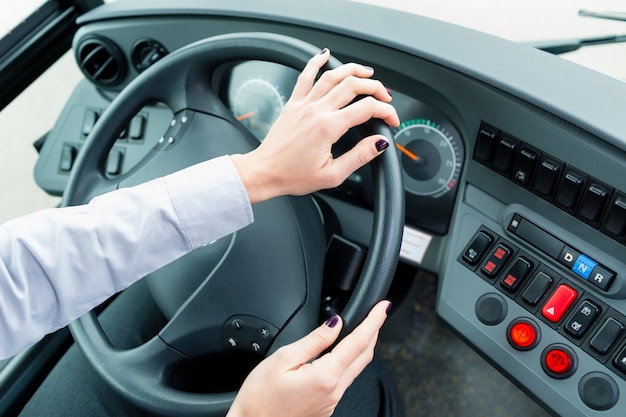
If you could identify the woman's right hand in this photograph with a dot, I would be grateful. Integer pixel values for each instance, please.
(295, 158)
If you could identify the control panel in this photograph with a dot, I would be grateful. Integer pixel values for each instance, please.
(247, 333)
(547, 295)
(76, 122)
(568, 188)
(535, 277)
(542, 321)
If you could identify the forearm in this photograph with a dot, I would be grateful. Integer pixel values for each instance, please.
(57, 264)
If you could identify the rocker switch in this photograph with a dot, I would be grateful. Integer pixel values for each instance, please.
(477, 248)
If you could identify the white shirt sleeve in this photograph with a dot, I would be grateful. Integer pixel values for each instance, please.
(57, 264)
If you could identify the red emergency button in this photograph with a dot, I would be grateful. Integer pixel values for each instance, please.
(522, 334)
(558, 303)
(558, 361)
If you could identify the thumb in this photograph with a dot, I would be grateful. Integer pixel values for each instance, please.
(316, 342)
(362, 153)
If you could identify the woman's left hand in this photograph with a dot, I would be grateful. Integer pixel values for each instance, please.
(293, 383)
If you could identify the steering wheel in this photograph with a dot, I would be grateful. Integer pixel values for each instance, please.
(252, 291)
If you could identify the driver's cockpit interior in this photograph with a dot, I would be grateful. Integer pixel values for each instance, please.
(509, 280)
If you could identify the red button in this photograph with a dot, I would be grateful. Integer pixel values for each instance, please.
(560, 300)
(558, 361)
(500, 253)
(523, 334)
(496, 260)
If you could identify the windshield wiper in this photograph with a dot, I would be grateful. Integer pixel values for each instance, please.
(562, 46)
(604, 15)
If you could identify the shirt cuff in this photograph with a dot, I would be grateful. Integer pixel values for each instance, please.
(210, 200)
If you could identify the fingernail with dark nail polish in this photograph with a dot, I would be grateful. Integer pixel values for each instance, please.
(381, 145)
(332, 321)
(323, 51)
(388, 307)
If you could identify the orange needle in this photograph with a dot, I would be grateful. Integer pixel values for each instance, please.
(245, 116)
(407, 152)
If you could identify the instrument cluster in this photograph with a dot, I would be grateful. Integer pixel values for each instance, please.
(429, 146)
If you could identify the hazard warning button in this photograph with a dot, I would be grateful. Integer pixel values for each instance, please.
(558, 303)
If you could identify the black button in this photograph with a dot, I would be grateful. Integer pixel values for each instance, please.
(547, 177)
(568, 257)
(570, 189)
(505, 153)
(537, 288)
(620, 360)
(525, 166)
(594, 200)
(496, 260)
(616, 219)
(477, 248)
(607, 335)
(583, 317)
(485, 143)
(516, 274)
(601, 277)
(491, 309)
(598, 391)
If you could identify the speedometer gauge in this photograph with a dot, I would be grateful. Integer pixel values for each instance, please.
(431, 157)
(256, 104)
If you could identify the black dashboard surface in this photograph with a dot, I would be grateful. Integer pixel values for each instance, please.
(524, 217)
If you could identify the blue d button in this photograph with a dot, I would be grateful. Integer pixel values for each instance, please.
(583, 266)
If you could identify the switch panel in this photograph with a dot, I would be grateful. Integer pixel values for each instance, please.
(566, 187)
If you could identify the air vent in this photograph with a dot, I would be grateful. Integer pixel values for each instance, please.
(101, 61)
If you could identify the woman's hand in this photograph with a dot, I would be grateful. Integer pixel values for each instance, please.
(295, 158)
(292, 383)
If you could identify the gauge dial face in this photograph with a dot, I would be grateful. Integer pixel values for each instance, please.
(257, 104)
(431, 157)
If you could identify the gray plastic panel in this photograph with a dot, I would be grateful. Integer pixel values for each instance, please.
(462, 287)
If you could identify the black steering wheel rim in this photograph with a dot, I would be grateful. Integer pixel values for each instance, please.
(88, 179)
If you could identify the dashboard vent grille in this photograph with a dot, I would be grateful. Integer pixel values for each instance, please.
(101, 61)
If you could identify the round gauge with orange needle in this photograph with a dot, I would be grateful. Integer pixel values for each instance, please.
(431, 157)
(256, 104)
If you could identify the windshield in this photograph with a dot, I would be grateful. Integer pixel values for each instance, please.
(532, 21)
(14, 12)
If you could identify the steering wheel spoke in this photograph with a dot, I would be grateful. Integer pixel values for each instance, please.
(145, 371)
(265, 273)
